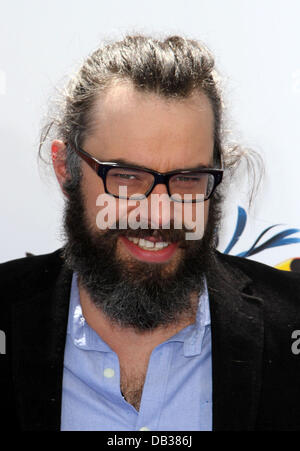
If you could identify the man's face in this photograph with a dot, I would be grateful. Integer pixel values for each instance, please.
(145, 130)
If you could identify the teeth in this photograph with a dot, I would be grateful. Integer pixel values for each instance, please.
(161, 244)
(149, 245)
(134, 240)
(146, 243)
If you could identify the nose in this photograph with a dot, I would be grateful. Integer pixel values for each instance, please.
(160, 188)
(159, 207)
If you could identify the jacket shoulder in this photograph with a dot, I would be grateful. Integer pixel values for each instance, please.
(265, 279)
(254, 268)
(29, 273)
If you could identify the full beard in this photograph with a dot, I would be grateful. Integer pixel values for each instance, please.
(132, 293)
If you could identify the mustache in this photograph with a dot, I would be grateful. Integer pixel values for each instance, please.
(171, 235)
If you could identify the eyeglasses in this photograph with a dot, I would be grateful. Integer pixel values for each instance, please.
(141, 181)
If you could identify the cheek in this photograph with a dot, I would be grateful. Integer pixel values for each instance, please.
(107, 212)
(92, 187)
(192, 213)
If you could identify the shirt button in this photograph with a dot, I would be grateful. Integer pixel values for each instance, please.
(109, 372)
(144, 428)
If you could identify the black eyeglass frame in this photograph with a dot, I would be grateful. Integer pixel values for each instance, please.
(102, 168)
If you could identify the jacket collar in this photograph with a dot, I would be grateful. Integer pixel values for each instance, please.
(237, 345)
(39, 333)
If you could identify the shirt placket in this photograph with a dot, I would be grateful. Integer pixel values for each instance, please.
(155, 388)
(111, 373)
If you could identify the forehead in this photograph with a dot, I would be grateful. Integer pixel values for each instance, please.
(151, 131)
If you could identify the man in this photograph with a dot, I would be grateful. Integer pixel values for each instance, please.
(140, 328)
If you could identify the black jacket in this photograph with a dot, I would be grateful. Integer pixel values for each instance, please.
(254, 311)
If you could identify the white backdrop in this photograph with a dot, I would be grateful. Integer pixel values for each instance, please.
(256, 46)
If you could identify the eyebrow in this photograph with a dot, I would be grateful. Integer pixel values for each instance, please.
(125, 162)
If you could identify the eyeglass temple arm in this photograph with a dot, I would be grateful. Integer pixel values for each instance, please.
(90, 161)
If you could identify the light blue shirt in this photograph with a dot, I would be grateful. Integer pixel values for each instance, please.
(177, 394)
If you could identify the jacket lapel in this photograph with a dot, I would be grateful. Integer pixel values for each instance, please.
(39, 335)
(237, 344)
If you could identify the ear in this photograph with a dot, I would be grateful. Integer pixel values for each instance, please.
(59, 155)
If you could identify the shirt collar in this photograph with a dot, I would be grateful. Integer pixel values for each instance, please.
(85, 338)
(192, 336)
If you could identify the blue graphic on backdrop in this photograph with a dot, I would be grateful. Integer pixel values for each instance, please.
(280, 239)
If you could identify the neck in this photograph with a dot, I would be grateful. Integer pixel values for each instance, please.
(127, 339)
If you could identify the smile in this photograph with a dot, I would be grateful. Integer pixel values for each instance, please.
(149, 250)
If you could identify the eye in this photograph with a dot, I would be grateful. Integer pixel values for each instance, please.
(125, 176)
(186, 178)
